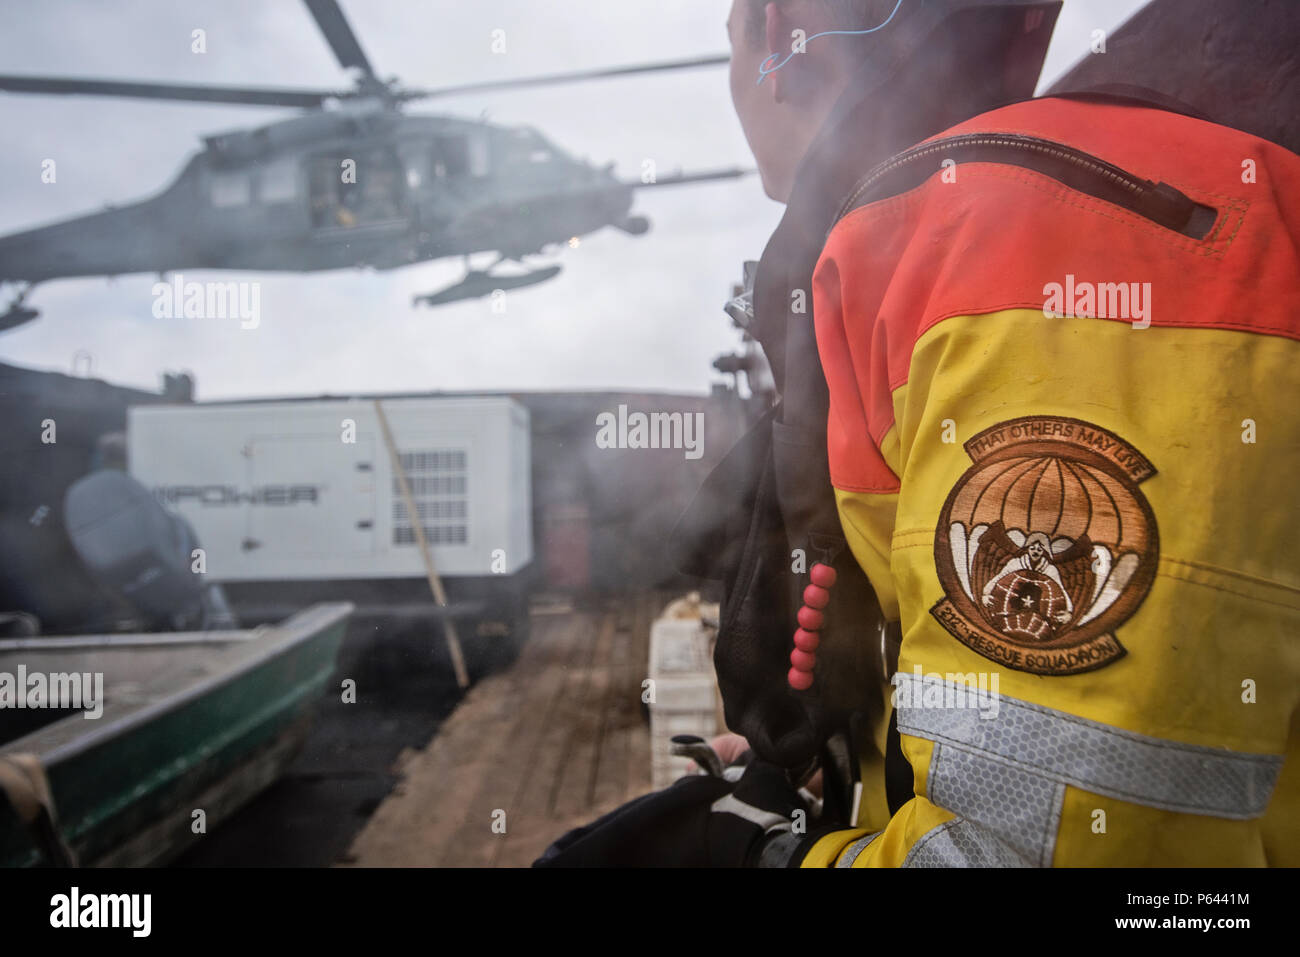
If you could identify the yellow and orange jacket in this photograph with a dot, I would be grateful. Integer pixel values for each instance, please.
(1065, 446)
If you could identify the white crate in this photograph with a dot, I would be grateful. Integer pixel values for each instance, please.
(685, 693)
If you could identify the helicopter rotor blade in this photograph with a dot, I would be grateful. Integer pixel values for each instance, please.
(338, 34)
(349, 52)
(679, 179)
(193, 93)
(557, 78)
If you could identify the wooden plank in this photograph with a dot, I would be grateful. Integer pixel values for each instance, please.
(512, 784)
(427, 811)
(555, 742)
(614, 782)
(532, 823)
(638, 757)
(501, 752)
(609, 770)
(572, 788)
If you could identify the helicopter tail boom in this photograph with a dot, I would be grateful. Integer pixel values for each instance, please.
(681, 179)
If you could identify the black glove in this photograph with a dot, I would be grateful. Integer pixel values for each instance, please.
(699, 821)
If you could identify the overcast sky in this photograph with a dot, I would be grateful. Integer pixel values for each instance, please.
(626, 312)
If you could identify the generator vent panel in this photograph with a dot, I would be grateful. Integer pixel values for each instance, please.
(439, 480)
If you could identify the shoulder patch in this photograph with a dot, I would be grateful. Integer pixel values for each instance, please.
(1046, 545)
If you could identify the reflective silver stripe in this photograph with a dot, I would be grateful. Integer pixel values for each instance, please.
(1096, 757)
(958, 843)
(779, 849)
(767, 820)
(1009, 807)
(850, 853)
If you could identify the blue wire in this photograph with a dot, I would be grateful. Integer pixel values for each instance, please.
(764, 69)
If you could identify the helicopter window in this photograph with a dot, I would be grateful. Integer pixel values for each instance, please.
(277, 182)
(374, 194)
(478, 156)
(230, 189)
(451, 156)
(381, 186)
(324, 191)
(460, 155)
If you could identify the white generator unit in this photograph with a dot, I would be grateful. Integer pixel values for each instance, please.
(295, 502)
(298, 491)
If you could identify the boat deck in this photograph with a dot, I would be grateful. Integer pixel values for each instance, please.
(554, 742)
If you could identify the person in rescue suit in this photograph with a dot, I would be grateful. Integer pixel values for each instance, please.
(1012, 561)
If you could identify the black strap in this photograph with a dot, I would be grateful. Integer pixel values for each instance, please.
(1135, 95)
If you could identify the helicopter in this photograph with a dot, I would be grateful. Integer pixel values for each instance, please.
(351, 182)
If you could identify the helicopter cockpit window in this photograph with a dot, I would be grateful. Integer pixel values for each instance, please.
(527, 147)
(277, 182)
(230, 189)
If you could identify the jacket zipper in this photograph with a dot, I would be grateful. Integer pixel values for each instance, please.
(1081, 171)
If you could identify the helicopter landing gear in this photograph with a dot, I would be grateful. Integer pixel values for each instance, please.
(481, 282)
(17, 313)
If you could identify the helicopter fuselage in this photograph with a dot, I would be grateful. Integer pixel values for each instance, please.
(333, 190)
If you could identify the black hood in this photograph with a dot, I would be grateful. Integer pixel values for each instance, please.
(937, 73)
(1230, 62)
